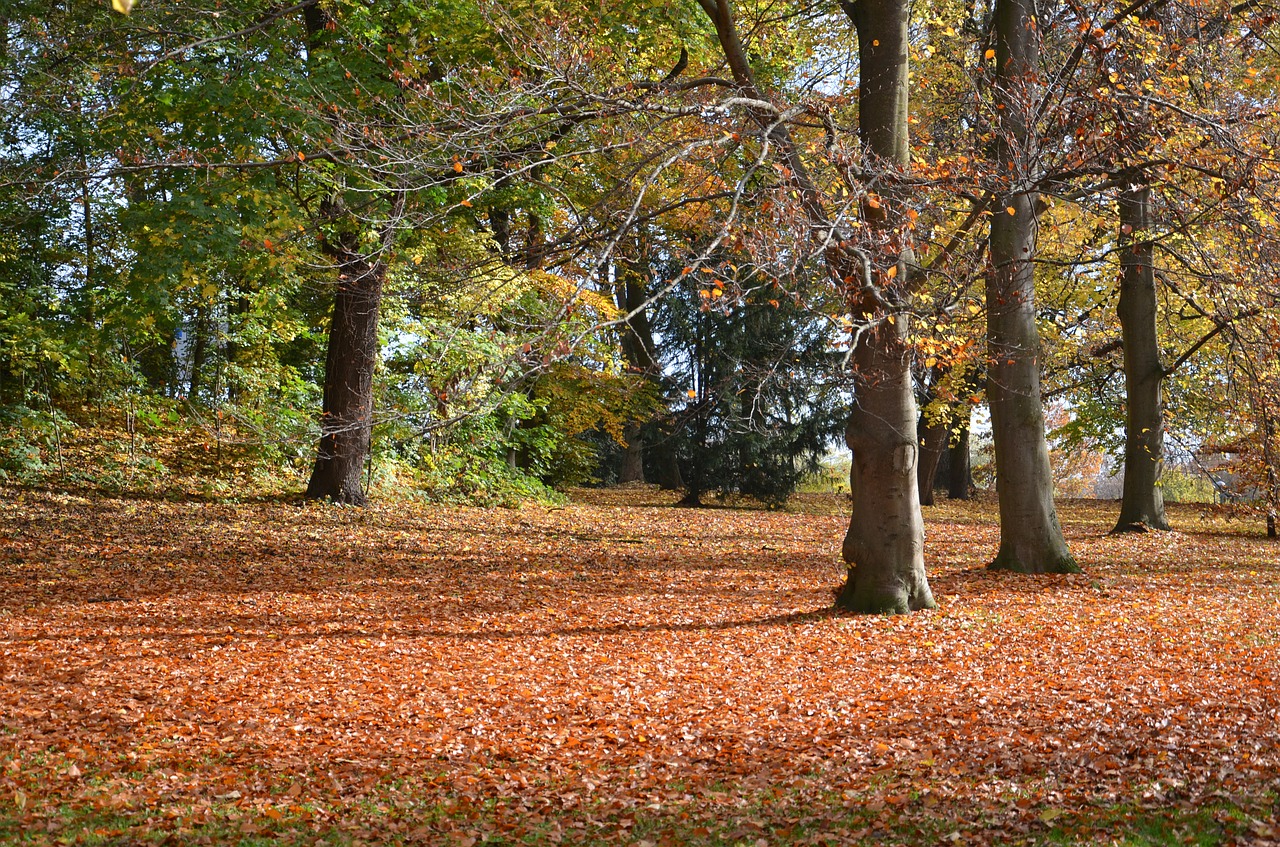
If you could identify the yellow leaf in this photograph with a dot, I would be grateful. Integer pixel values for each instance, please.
(124, 7)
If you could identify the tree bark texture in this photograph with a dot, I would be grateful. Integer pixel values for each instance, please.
(884, 545)
(1142, 502)
(1031, 539)
(346, 420)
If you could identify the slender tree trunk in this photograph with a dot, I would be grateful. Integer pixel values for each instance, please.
(933, 441)
(1142, 503)
(199, 352)
(1031, 539)
(1269, 463)
(960, 473)
(639, 352)
(884, 546)
(346, 421)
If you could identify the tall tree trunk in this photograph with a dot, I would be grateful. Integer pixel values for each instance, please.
(1142, 503)
(639, 352)
(884, 546)
(960, 472)
(1031, 539)
(346, 421)
(959, 460)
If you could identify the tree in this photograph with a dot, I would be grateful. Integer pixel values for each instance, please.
(762, 405)
(1031, 538)
(884, 543)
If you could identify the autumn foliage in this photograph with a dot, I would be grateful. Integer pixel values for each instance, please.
(620, 671)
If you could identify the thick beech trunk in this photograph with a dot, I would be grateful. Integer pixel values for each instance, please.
(1031, 539)
(346, 422)
(1142, 504)
(884, 546)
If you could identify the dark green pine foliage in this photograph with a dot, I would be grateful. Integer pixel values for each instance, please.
(756, 398)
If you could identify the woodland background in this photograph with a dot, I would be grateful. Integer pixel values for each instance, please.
(466, 265)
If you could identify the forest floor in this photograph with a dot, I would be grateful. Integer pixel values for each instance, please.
(618, 670)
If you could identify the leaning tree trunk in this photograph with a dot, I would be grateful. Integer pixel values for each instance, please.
(1031, 539)
(346, 421)
(1142, 504)
(884, 546)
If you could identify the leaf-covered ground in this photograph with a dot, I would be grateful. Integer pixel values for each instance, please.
(621, 671)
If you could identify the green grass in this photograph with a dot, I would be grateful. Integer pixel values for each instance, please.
(409, 812)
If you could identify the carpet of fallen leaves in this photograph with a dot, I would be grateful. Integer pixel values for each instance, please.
(621, 670)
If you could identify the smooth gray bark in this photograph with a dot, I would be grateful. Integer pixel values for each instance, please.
(1031, 539)
(884, 546)
(1142, 502)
